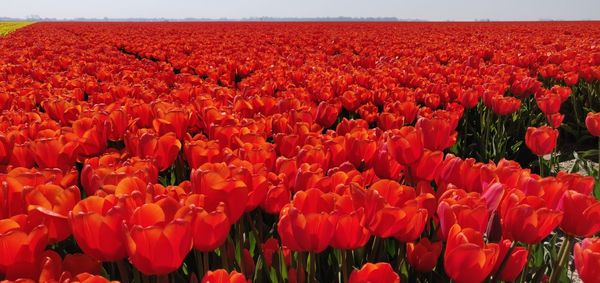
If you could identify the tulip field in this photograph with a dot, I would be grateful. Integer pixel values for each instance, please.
(300, 152)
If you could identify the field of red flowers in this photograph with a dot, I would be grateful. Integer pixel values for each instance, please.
(300, 152)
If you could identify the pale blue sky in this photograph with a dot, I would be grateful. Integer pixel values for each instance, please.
(422, 9)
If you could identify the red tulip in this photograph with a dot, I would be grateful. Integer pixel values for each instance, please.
(527, 219)
(393, 210)
(469, 210)
(467, 257)
(55, 152)
(438, 133)
(20, 247)
(581, 214)
(97, 227)
(514, 263)
(587, 260)
(306, 224)
(505, 105)
(375, 273)
(542, 140)
(198, 152)
(50, 205)
(217, 182)
(592, 122)
(426, 168)
(350, 233)
(405, 144)
(210, 226)
(221, 276)
(423, 256)
(159, 237)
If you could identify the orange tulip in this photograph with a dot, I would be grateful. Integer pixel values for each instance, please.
(467, 257)
(350, 233)
(542, 140)
(375, 273)
(163, 149)
(97, 227)
(587, 259)
(158, 237)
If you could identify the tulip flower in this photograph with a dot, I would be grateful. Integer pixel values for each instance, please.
(542, 140)
(581, 214)
(405, 144)
(20, 247)
(467, 257)
(210, 226)
(469, 210)
(423, 255)
(592, 122)
(50, 205)
(438, 133)
(587, 259)
(158, 237)
(97, 227)
(306, 224)
(376, 273)
(222, 276)
(527, 219)
(513, 265)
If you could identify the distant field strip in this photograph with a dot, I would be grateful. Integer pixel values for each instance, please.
(8, 27)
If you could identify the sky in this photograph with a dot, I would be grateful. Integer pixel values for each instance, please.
(435, 10)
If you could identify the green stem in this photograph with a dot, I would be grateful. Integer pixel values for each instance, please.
(205, 263)
(344, 265)
(541, 160)
(312, 267)
(199, 267)
(562, 259)
(240, 242)
(374, 249)
(123, 271)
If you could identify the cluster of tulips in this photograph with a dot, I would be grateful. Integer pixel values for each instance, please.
(298, 152)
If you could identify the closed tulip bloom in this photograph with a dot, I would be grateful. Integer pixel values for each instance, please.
(438, 133)
(549, 103)
(592, 122)
(542, 140)
(97, 227)
(350, 233)
(527, 219)
(587, 260)
(381, 272)
(158, 237)
(514, 264)
(221, 276)
(405, 144)
(505, 105)
(55, 152)
(423, 255)
(467, 258)
(581, 214)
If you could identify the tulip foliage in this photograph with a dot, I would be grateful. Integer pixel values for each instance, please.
(300, 152)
